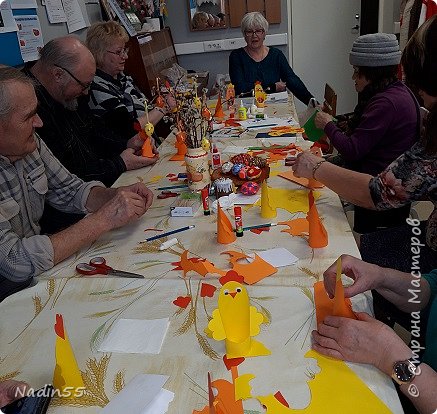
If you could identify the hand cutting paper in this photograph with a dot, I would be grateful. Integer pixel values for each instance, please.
(235, 321)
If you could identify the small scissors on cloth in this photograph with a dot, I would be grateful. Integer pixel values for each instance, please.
(98, 266)
(167, 194)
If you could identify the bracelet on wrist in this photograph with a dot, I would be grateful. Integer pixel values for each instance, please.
(316, 167)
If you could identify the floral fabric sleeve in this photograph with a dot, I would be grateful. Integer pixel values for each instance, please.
(412, 176)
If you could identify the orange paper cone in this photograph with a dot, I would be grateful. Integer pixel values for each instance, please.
(225, 234)
(325, 306)
(219, 108)
(317, 232)
(146, 150)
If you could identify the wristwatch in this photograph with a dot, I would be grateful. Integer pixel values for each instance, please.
(404, 371)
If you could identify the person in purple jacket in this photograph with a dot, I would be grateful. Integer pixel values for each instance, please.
(384, 124)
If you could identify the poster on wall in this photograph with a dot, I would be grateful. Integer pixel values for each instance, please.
(23, 4)
(76, 20)
(7, 21)
(55, 11)
(29, 37)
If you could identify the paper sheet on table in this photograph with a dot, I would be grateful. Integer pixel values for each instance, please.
(277, 140)
(233, 149)
(277, 97)
(278, 257)
(142, 395)
(136, 336)
(290, 200)
(242, 199)
(266, 123)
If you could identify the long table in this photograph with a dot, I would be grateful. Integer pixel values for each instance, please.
(90, 306)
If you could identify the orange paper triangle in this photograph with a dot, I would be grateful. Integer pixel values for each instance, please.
(325, 305)
(318, 237)
(225, 234)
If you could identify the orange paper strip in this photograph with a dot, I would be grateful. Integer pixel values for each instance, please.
(309, 183)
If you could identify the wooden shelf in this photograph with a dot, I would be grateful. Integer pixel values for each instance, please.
(149, 54)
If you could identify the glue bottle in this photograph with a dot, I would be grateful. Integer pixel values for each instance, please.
(242, 112)
(216, 159)
(253, 108)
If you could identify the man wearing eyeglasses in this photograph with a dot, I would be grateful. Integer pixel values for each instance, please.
(257, 62)
(30, 176)
(83, 143)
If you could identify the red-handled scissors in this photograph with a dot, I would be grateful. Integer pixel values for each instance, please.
(98, 266)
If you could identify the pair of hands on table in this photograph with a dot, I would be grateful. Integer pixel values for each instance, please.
(128, 204)
(365, 340)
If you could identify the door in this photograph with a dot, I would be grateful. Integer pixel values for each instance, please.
(321, 38)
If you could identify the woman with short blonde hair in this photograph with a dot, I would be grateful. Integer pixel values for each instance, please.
(100, 36)
(113, 95)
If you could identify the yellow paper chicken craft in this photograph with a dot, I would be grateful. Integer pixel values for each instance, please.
(260, 95)
(235, 321)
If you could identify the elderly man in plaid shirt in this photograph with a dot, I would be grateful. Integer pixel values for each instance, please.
(31, 175)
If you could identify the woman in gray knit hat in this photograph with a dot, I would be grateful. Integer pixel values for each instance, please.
(384, 124)
(411, 177)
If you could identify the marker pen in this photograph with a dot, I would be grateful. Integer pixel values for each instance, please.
(205, 201)
(238, 221)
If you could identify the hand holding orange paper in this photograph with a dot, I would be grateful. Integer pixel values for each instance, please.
(338, 306)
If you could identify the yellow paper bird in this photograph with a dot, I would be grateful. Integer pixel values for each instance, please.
(260, 95)
(66, 377)
(235, 321)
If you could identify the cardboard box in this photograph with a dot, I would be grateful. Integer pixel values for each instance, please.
(186, 205)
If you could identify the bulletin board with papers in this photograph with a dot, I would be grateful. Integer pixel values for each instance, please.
(26, 25)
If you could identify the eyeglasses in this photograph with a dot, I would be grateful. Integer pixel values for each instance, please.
(121, 52)
(84, 86)
(258, 32)
(356, 70)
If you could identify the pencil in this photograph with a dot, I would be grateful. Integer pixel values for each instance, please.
(170, 187)
(260, 226)
(168, 233)
(261, 126)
